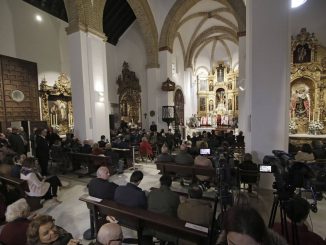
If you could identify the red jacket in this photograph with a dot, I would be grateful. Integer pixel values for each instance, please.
(145, 148)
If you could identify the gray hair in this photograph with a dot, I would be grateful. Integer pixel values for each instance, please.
(18, 209)
(164, 149)
(101, 171)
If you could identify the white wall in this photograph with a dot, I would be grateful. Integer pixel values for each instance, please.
(312, 16)
(45, 43)
(131, 49)
(7, 38)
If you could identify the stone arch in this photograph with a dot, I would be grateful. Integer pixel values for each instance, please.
(178, 10)
(148, 28)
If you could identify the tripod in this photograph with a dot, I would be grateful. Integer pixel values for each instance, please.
(281, 202)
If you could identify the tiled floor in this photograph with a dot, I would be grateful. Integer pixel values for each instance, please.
(73, 215)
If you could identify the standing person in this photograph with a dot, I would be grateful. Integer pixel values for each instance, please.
(42, 151)
(16, 142)
(33, 141)
(153, 127)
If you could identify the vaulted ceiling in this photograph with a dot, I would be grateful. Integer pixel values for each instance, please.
(117, 16)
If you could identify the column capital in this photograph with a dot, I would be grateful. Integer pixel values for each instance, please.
(85, 15)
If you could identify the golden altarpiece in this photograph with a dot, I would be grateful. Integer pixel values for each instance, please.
(56, 104)
(217, 97)
(307, 89)
(129, 92)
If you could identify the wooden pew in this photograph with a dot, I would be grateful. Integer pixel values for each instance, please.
(22, 187)
(171, 167)
(138, 219)
(93, 162)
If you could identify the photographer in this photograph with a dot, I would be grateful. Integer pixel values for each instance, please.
(297, 210)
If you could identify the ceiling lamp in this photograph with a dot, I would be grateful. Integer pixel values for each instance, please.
(297, 3)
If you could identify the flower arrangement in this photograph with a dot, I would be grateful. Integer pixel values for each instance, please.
(315, 125)
(292, 125)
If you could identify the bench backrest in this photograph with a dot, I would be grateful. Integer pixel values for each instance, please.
(139, 219)
(185, 169)
(20, 185)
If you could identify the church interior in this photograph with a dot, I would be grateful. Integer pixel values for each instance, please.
(223, 68)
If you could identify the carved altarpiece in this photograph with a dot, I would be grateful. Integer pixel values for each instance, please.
(129, 96)
(308, 81)
(56, 104)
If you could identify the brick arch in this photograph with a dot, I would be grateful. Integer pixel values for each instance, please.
(148, 28)
(180, 7)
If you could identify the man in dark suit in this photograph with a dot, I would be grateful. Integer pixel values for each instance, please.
(165, 156)
(100, 187)
(42, 152)
(131, 195)
(16, 142)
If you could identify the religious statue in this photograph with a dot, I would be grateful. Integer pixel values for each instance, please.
(300, 102)
(211, 86)
(211, 105)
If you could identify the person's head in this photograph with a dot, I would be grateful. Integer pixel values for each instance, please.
(29, 162)
(42, 230)
(144, 139)
(110, 234)
(102, 137)
(164, 149)
(108, 146)
(136, 177)
(22, 157)
(44, 132)
(195, 192)
(18, 209)
(306, 148)
(316, 144)
(166, 180)
(247, 157)
(297, 209)
(16, 159)
(240, 133)
(244, 226)
(103, 173)
(241, 199)
(96, 146)
(183, 147)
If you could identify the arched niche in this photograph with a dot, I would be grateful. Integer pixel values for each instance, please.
(179, 106)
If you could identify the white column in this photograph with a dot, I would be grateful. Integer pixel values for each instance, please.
(188, 95)
(244, 94)
(89, 85)
(153, 93)
(268, 61)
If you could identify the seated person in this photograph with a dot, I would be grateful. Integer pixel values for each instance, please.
(39, 186)
(195, 210)
(42, 230)
(14, 232)
(183, 157)
(202, 161)
(96, 150)
(240, 139)
(244, 226)
(164, 156)
(163, 200)
(86, 148)
(318, 149)
(100, 187)
(114, 158)
(145, 148)
(297, 210)
(109, 233)
(247, 164)
(131, 195)
(102, 142)
(305, 154)
(15, 169)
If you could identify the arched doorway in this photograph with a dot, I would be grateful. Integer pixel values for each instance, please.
(179, 107)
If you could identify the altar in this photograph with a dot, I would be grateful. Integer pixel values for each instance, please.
(299, 139)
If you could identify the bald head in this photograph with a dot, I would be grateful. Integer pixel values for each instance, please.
(110, 233)
(103, 173)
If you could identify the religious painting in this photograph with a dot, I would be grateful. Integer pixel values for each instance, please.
(302, 54)
(179, 106)
(56, 104)
(211, 85)
(230, 104)
(220, 73)
(202, 104)
(211, 105)
(203, 85)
